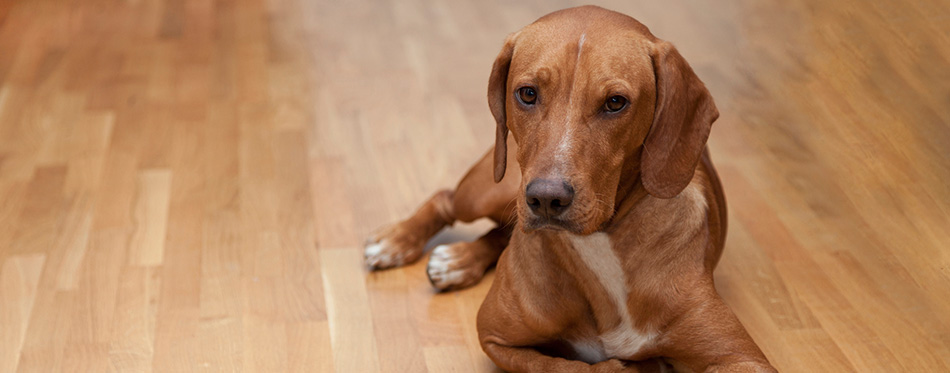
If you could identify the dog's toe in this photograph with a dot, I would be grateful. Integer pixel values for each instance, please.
(450, 268)
(387, 254)
(373, 255)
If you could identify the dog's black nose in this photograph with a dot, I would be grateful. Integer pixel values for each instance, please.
(549, 198)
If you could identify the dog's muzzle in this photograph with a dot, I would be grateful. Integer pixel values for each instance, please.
(548, 199)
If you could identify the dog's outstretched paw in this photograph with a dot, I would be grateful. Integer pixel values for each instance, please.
(454, 267)
(382, 255)
(391, 249)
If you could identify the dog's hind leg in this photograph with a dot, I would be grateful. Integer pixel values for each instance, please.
(402, 243)
(463, 264)
(476, 196)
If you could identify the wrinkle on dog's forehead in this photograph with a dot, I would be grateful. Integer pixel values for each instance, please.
(581, 62)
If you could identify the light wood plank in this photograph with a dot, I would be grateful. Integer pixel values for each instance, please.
(19, 278)
(151, 216)
(349, 320)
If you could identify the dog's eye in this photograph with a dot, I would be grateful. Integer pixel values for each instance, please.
(527, 95)
(615, 103)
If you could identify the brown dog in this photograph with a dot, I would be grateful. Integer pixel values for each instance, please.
(619, 215)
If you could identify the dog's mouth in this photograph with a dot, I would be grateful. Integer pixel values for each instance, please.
(544, 209)
(535, 223)
(577, 220)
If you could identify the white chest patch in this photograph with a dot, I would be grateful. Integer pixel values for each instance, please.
(623, 340)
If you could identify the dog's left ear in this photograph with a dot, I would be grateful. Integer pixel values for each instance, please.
(682, 119)
(497, 96)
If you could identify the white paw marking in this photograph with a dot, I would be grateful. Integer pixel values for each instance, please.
(373, 248)
(439, 269)
(377, 255)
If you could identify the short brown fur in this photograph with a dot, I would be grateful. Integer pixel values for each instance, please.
(642, 177)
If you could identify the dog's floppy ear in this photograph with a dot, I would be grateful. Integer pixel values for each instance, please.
(497, 95)
(682, 119)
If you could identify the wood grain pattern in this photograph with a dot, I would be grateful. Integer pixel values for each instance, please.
(185, 185)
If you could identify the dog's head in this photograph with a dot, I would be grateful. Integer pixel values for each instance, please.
(594, 100)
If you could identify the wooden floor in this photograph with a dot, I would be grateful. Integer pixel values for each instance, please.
(185, 185)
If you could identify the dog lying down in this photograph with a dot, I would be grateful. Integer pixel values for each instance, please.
(610, 215)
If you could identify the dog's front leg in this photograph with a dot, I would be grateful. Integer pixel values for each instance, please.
(742, 367)
(402, 243)
(529, 360)
(463, 264)
(510, 322)
(710, 338)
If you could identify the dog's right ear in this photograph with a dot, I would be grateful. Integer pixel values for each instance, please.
(497, 96)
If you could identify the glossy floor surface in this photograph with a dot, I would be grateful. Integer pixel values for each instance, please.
(185, 185)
